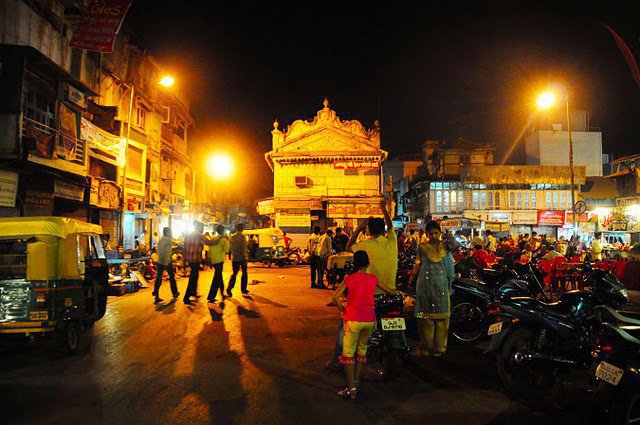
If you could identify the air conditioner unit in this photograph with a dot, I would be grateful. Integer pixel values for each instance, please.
(303, 181)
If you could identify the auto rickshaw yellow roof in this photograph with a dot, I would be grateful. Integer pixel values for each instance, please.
(60, 227)
(269, 231)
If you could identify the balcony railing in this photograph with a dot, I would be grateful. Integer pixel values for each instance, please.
(50, 143)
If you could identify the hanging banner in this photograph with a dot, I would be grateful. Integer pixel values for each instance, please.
(99, 139)
(551, 218)
(99, 25)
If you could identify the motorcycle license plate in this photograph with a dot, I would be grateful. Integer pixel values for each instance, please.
(495, 329)
(396, 324)
(609, 373)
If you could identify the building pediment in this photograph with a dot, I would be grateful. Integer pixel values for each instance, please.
(327, 140)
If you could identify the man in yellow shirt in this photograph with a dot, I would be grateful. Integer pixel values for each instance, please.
(216, 258)
(596, 247)
(381, 247)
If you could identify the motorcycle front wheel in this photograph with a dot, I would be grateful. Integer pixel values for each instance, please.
(527, 381)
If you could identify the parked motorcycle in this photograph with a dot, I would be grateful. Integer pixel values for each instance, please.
(471, 298)
(616, 365)
(538, 343)
(388, 345)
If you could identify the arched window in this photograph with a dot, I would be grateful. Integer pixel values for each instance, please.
(476, 205)
(496, 201)
(519, 200)
(454, 201)
(438, 201)
(490, 199)
(533, 200)
(526, 200)
(483, 200)
(512, 200)
(445, 201)
(460, 201)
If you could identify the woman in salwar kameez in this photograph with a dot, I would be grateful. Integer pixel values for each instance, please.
(434, 272)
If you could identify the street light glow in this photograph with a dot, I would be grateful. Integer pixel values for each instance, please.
(546, 100)
(220, 166)
(167, 81)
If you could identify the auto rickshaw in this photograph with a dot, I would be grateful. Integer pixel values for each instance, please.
(53, 278)
(268, 246)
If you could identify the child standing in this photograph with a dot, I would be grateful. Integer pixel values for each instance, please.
(359, 319)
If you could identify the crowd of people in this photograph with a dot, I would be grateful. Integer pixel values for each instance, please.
(194, 253)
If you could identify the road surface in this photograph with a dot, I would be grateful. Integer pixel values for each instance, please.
(257, 359)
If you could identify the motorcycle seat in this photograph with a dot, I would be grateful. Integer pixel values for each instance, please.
(558, 308)
(628, 333)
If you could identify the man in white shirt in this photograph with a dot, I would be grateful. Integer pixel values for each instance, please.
(313, 259)
(324, 247)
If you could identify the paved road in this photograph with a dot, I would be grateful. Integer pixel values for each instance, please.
(257, 359)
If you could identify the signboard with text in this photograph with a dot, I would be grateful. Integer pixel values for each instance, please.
(265, 207)
(356, 165)
(353, 210)
(293, 219)
(66, 190)
(104, 194)
(8, 188)
(525, 218)
(99, 25)
(551, 218)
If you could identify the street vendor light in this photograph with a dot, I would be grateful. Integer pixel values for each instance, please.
(167, 81)
(545, 101)
(220, 166)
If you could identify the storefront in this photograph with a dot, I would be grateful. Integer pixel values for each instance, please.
(621, 224)
(104, 201)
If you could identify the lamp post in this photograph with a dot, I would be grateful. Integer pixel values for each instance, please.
(545, 101)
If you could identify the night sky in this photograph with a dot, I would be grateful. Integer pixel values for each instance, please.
(440, 70)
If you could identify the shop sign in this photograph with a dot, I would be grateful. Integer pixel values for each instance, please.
(8, 188)
(104, 194)
(265, 207)
(356, 165)
(439, 217)
(39, 199)
(618, 226)
(458, 223)
(587, 227)
(551, 218)
(501, 216)
(353, 210)
(529, 218)
(627, 202)
(99, 24)
(76, 96)
(134, 185)
(617, 221)
(579, 218)
(495, 226)
(69, 191)
(99, 139)
(134, 204)
(293, 219)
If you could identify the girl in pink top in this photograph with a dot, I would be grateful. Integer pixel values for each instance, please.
(359, 319)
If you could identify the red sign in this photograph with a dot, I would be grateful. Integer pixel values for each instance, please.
(356, 165)
(100, 22)
(550, 218)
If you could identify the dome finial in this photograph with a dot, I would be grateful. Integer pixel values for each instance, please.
(326, 103)
(275, 124)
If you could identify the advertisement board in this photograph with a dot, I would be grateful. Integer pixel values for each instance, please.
(353, 210)
(99, 25)
(551, 218)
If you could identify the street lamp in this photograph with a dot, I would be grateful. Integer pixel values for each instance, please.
(545, 101)
(220, 166)
(167, 81)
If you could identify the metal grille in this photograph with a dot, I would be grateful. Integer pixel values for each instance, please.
(14, 300)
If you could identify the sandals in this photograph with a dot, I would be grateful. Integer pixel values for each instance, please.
(348, 393)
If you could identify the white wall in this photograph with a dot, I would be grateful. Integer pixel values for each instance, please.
(552, 148)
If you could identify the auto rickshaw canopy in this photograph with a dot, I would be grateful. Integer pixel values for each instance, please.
(61, 227)
(53, 247)
(267, 237)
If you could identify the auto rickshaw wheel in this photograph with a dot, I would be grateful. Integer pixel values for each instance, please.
(266, 263)
(70, 338)
(280, 263)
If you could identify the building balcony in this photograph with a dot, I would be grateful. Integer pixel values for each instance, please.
(171, 141)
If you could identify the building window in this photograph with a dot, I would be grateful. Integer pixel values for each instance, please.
(483, 200)
(490, 199)
(555, 199)
(496, 200)
(460, 201)
(563, 199)
(40, 101)
(454, 201)
(445, 202)
(548, 200)
(438, 201)
(512, 200)
(141, 118)
(533, 200)
(475, 201)
(519, 200)
(526, 200)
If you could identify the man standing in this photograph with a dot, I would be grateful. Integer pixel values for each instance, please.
(193, 246)
(313, 260)
(340, 241)
(238, 250)
(216, 257)
(323, 250)
(287, 241)
(164, 263)
(492, 243)
(596, 247)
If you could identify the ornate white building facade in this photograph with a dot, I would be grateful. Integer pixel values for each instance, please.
(326, 172)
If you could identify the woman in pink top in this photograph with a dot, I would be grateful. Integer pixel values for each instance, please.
(359, 319)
